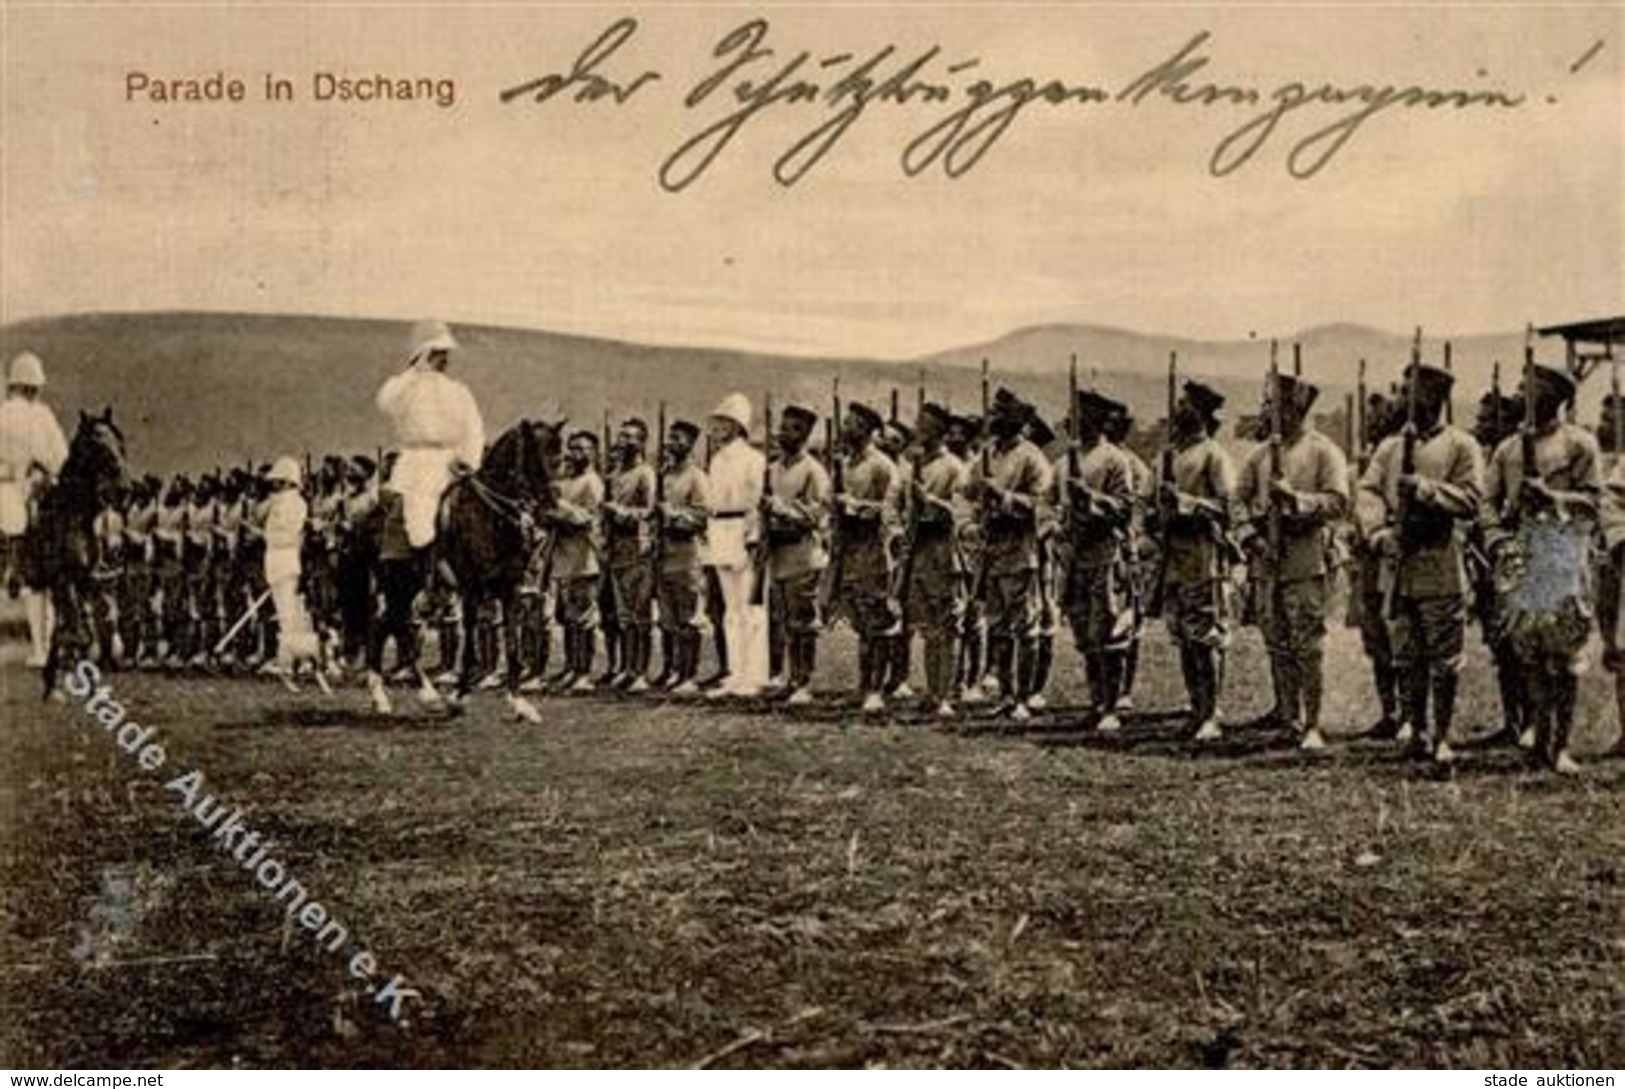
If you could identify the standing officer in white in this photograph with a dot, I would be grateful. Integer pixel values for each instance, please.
(437, 426)
(32, 450)
(736, 497)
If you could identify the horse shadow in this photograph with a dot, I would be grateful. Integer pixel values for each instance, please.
(329, 717)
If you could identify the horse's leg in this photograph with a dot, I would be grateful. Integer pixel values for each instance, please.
(468, 663)
(512, 634)
(421, 573)
(377, 631)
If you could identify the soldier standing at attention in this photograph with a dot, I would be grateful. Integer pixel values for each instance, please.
(1498, 419)
(197, 560)
(862, 512)
(1304, 496)
(895, 440)
(1042, 435)
(797, 521)
(169, 535)
(682, 520)
(1194, 511)
(1418, 521)
(285, 514)
(140, 630)
(574, 520)
(734, 529)
(626, 520)
(1558, 490)
(1144, 483)
(32, 450)
(1368, 601)
(1011, 492)
(961, 441)
(109, 575)
(1094, 495)
(933, 582)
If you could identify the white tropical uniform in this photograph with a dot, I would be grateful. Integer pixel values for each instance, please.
(735, 493)
(32, 447)
(437, 424)
(285, 514)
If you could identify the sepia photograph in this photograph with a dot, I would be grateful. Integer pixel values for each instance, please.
(889, 536)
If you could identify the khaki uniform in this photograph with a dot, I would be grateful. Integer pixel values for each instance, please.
(1290, 583)
(933, 591)
(1428, 586)
(681, 575)
(1010, 593)
(576, 566)
(1091, 542)
(797, 560)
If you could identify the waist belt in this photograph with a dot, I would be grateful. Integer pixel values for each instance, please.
(725, 515)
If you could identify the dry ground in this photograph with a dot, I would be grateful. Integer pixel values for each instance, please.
(634, 885)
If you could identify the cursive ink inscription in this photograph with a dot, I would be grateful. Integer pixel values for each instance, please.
(967, 113)
(588, 83)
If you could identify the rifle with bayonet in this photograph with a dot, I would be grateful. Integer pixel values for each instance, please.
(758, 589)
(1166, 482)
(831, 581)
(913, 501)
(657, 517)
(1407, 468)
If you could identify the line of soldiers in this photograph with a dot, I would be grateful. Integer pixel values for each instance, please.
(979, 536)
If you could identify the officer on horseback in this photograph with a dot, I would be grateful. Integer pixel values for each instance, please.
(32, 450)
(437, 426)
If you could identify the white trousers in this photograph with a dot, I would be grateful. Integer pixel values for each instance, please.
(296, 638)
(421, 476)
(744, 628)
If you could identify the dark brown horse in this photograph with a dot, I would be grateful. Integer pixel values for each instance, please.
(484, 542)
(62, 545)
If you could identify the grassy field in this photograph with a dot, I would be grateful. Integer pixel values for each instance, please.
(631, 885)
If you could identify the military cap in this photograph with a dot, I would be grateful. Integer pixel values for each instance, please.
(1039, 431)
(683, 428)
(1551, 385)
(1204, 399)
(901, 429)
(364, 463)
(936, 412)
(1097, 407)
(971, 424)
(1296, 392)
(866, 416)
(1007, 404)
(1432, 383)
(590, 437)
(804, 415)
(638, 423)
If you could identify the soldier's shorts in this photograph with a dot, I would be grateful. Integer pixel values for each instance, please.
(794, 603)
(633, 586)
(936, 592)
(1198, 613)
(679, 593)
(1373, 625)
(1011, 605)
(867, 604)
(578, 601)
(1294, 615)
(1428, 633)
(1097, 606)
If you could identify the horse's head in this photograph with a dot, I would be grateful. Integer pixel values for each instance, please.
(97, 452)
(546, 444)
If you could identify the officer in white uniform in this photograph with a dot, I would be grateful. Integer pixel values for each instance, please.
(735, 479)
(32, 450)
(437, 426)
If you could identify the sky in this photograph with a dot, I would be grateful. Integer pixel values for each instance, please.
(552, 215)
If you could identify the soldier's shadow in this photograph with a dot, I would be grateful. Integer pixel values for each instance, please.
(336, 717)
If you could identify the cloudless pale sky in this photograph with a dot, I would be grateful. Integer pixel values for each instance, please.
(551, 215)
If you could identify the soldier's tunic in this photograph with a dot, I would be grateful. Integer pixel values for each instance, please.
(576, 569)
(1427, 622)
(1195, 575)
(682, 531)
(137, 625)
(864, 526)
(934, 599)
(168, 539)
(1010, 548)
(1568, 460)
(1293, 581)
(797, 555)
(1092, 542)
(109, 575)
(628, 544)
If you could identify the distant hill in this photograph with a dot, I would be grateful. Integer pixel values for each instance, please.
(199, 389)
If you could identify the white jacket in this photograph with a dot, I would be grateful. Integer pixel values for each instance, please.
(734, 481)
(429, 408)
(30, 439)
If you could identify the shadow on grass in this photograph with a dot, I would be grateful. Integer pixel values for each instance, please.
(330, 717)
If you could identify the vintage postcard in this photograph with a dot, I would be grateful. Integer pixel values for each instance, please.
(791, 535)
